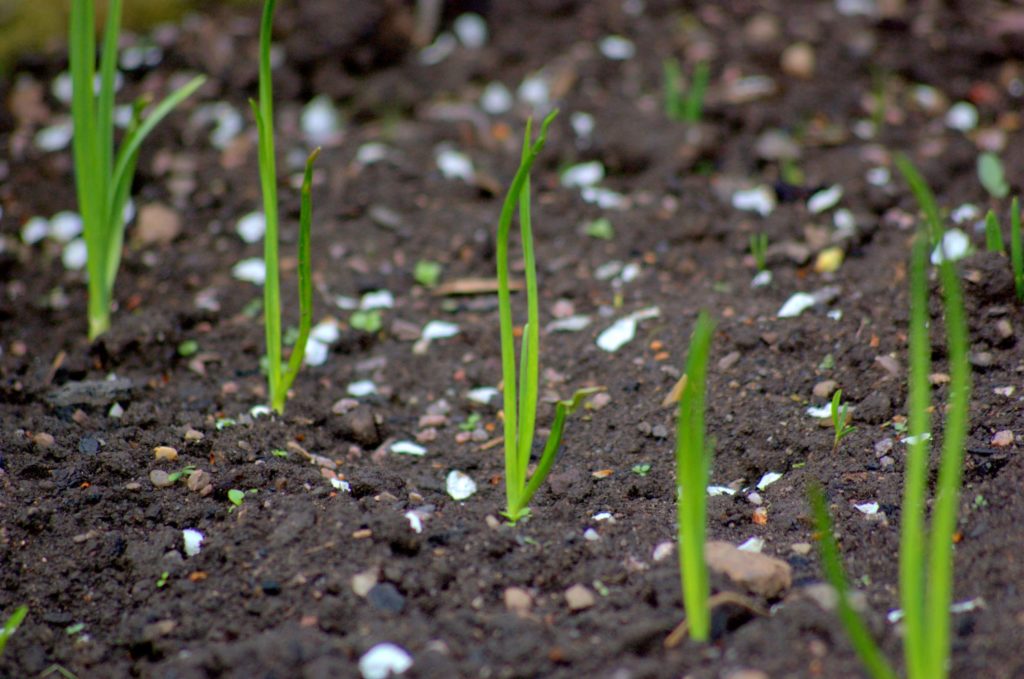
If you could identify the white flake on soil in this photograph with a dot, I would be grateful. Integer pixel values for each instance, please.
(768, 479)
(75, 255)
(617, 48)
(482, 395)
(868, 508)
(618, 335)
(321, 121)
(583, 174)
(570, 324)
(435, 330)
(825, 199)
(762, 279)
(820, 412)
(377, 299)
(752, 545)
(962, 116)
(193, 540)
(535, 91)
(955, 245)
(361, 388)
(371, 152)
(383, 661)
(459, 485)
(54, 137)
(471, 30)
(496, 99)
(714, 491)
(317, 352)
(760, 199)
(454, 165)
(797, 304)
(582, 124)
(251, 227)
(251, 270)
(606, 199)
(35, 230)
(408, 448)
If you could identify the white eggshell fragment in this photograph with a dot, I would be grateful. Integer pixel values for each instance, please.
(825, 199)
(955, 245)
(459, 485)
(75, 255)
(193, 540)
(760, 199)
(383, 661)
(408, 448)
(618, 335)
(252, 270)
(583, 174)
(796, 305)
(251, 227)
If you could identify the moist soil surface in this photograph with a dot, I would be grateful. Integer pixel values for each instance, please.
(306, 575)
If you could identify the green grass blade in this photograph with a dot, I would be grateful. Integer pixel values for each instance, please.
(514, 479)
(1016, 250)
(947, 500)
(693, 459)
(11, 626)
(863, 643)
(105, 99)
(305, 275)
(912, 525)
(529, 375)
(563, 409)
(923, 194)
(693, 105)
(670, 76)
(993, 234)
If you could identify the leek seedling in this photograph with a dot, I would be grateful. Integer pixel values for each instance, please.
(278, 380)
(840, 411)
(926, 557)
(759, 250)
(103, 179)
(693, 462)
(993, 234)
(992, 176)
(520, 417)
(11, 626)
(688, 107)
(1016, 250)
(923, 194)
(864, 645)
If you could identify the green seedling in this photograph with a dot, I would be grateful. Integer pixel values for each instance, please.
(926, 556)
(759, 250)
(993, 234)
(863, 643)
(236, 497)
(277, 452)
(520, 415)
(642, 469)
(600, 228)
(427, 273)
(992, 176)
(182, 473)
(74, 629)
(11, 625)
(223, 423)
(693, 463)
(103, 178)
(840, 414)
(280, 378)
(368, 321)
(161, 582)
(471, 422)
(188, 348)
(1016, 250)
(689, 106)
(58, 669)
(923, 194)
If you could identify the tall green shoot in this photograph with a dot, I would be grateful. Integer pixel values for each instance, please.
(520, 414)
(926, 556)
(688, 106)
(831, 563)
(11, 626)
(280, 378)
(993, 234)
(103, 179)
(1016, 249)
(693, 462)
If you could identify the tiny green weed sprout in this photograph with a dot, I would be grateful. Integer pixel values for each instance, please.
(11, 625)
(759, 250)
(368, 320)
(641, 469)
(992, 176)
(831, 563)
(993, 234)
(840, 415)
(280, 378)
(693, 463)
(103, 179)
(689, 106)
(161, 582)
(520, 414)
(1016, 249)
(923, 194)
(427, 273)
(236, 497)
(182, 473)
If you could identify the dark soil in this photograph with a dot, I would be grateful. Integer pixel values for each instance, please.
(85, 536)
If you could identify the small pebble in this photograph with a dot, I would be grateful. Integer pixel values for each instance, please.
(160, 478)
(825, 388)
(1003, 438)
(801, 548)
(199, 480)
(798, 60)
(386, 597)
(43, 440)
(579, 598)
(192, 435)
(165, 453)
(364, 581)
(88, 446)
(518, 601)
(271, 587)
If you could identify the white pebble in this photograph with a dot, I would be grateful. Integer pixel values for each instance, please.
(454, 165)
(459, 485)
(582, 124)
(65, 226)
(75, 255)
(371, 152)
(825, 199)
(361, 388)
(760, 199)
(796, 305)
(768, 479)
(35, 230)
(384, 660)
(878, 176)
(471, 30)
(54, 137)
(663, 550)
(193, 540)
(591, 535)
(868, 508)
(251, 270)
(496, 99)
(251, 227)
(482, 395)
(606, 199)
(377, 299)
(955, 245)
(535, 91)
(962, 116)
(317, 352)
(320, 121)
(439, 330)
(408, 448)
(617, 335)
(617, 48)
(583, 174)
(326, 332)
